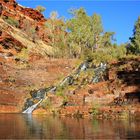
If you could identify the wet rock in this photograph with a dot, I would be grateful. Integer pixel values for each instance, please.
(39, 94)
(29, 102)
(82, 67)
(52, 89)
(68, 80)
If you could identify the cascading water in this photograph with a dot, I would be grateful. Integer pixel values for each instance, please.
(82, 67)
(30, 109)
(41, 94)
(97, 73)
(68, 80)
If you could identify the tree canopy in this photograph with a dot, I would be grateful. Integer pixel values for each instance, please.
(86, 32)
(135, 40)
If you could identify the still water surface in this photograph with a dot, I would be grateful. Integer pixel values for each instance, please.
(18, 126)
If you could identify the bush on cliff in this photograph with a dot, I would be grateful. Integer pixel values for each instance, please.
(12, 21)
(40, 8)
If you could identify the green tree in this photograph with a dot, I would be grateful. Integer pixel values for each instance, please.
(107, 39)
(135, 40)
(84, 31)
(29, 29)
(96, 30)
(78, 28)
(57, 33)
(51, 24)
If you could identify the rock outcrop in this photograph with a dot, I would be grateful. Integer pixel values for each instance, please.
(13, 6)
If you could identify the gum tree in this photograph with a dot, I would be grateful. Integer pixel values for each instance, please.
(135, 40)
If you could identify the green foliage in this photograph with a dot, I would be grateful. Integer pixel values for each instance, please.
(12, 21)
(96, 30)
(30, 30)
(85, 77)
(86, 34)
(106, 39)
(84, 37)
(87, 55)
(95, 109)
(105, 54)
(57, 34)
(23, 55)
(60, 91)
(135, 40)
(40, 8)
(46, 103)
(52, 25)
(78, 26)
(124, 115)
(11, 79)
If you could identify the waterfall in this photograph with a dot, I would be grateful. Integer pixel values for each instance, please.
(82, 67)
(30, 109)
(41, 94)
(98, 71)
(68, 80)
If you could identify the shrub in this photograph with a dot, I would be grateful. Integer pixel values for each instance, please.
(95, 109)
(60, 91)
(30, 30)
(23, 55)
(12, 21)
(40, 8)
(46, 104)
(104, 54)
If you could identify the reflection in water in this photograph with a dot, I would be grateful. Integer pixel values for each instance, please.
(21, 126)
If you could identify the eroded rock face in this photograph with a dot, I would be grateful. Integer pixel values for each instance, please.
(25, 17)
(125, 81)
(113, 96)
(28, 20)
(8, 42)
(13, 5)
(17, 80)
(34, 14)
(10, 98)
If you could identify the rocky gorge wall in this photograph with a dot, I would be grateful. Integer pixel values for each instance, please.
(119, 91)
(26, 19)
